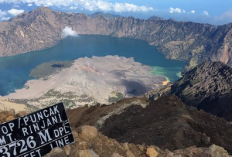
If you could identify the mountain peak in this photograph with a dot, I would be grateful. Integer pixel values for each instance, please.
(154, 18)
(105, 15)
(41, 11)
(43, 8)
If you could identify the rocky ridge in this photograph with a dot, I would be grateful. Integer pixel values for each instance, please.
(187, 41)
(208, 86)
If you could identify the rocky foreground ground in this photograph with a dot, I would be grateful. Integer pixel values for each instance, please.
(89, 142)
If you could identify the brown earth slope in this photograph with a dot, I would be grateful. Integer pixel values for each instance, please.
(168, 123)
(188, 41)
(96, 115)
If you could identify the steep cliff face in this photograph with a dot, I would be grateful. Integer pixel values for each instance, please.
(187, 41)
(208, 86)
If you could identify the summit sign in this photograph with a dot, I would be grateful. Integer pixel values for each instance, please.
(36, 134)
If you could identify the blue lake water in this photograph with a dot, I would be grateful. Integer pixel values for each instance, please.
(15, 70)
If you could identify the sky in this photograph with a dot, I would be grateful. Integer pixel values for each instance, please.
(216, 12)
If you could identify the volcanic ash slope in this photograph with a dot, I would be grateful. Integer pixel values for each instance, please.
(90, 81)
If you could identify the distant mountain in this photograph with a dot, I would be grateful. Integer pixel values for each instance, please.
(187, 41)
(155, 18)
(105, 15)
(209, 87)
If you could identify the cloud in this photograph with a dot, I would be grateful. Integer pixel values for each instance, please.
(4, 18)
(72, 8)
(29, 5)
(2, 15)
(179, 10)
(126, 7)
(67, 31)
(175, 10)
(206, 13)
(91, 5)
(224, 18)
(116, 7)
(15, 12)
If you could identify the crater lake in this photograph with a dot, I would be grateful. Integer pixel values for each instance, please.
(15, 70)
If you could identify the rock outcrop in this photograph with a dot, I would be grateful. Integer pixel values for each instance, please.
(101, 146)
(9, 115)
(187, 41)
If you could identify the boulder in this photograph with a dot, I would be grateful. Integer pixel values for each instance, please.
(216, 151)
(88, 132)
(151, 152)
(56, 152)
(87, 153)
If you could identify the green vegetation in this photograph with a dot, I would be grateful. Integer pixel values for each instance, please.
(30, 108)
(46, 69)
(117, 96)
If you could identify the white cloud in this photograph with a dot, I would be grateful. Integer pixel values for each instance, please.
(2, 15)
(91, 5)
(127, 7)
(29, 5)
(206, 13)
(116, 7)
(4, 18)
(179, 10)
(73, 8)
(175, 10)
(67, 31)
(15, 12)
(224, 18)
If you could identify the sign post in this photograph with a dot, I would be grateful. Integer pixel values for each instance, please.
(36, 134)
